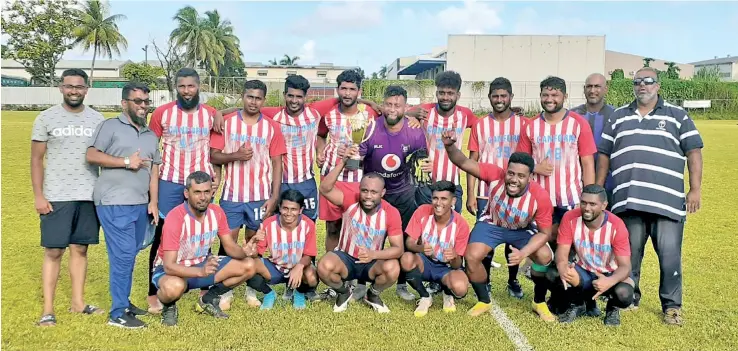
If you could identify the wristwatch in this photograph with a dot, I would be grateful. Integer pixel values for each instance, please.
(127, 161)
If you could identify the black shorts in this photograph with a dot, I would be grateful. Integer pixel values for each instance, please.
(358, 271)
(70, 222)
(405, 204)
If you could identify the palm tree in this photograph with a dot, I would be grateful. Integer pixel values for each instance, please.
(98, 30)
(226, 44)
(191, 32)
(289, 61)
(382, 72)
(647, 62)
(274, 62)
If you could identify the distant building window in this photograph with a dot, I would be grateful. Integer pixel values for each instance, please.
(725, 74)
(291, 73)
(262, 73)
(322, 74)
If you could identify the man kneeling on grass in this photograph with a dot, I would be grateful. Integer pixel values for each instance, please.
(184, 262)
(290, 239)
(437, 238)
(602, 247)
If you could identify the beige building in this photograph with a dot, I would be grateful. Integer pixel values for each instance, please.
(322, 73)
(727, 67)
(632, 63)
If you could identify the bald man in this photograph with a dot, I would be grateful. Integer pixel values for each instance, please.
(597, 112)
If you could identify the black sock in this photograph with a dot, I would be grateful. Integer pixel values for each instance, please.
(487, 263)
(415, 279)
(540, 288)
(258, 283)
(575, 295)
(402, 278)
(343, 289)
(215, 291)
(304, 288)
(480, 289)
(169, 304)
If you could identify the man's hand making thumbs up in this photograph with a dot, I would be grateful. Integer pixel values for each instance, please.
(260, 234)
(137, 162)
(515, 257)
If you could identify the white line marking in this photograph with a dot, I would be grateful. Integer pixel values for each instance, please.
(513, 333)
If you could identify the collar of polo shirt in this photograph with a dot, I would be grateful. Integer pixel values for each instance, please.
(123, 118)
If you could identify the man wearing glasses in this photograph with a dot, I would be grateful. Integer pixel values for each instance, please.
(645, 145)
(126, 194)
(63, 190)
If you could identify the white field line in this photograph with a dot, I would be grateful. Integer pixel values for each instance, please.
(513, 332)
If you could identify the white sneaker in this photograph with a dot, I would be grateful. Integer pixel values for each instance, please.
(424, 305)
(251, 299)
(496, 265)
(226, 300)
(449, 303)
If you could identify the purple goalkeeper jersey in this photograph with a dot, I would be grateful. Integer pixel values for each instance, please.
(385, 152)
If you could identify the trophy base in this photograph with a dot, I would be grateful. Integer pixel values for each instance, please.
(352, 164)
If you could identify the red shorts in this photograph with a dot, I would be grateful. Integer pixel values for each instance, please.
(331, 212)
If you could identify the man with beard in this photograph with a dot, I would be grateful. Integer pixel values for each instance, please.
(367, 222)
(385, 152)
(183, 261)
(519, 214)
(251, 148)
(436, 244)
(563, 149)
(127, 153)
(602, 267)
(597, 112)
(443, 116)
(63, 190)
(289, 236)
(184, 127)
(645, 145)
(492, 140)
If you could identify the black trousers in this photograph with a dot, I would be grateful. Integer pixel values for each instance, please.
(666, 237)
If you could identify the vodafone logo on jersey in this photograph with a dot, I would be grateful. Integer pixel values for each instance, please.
(391, 162)
(71, 130)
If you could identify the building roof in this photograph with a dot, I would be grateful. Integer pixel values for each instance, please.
(318, 66)
(717, 61)
(420, 66)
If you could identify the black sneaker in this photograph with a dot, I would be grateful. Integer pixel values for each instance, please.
(212, 308)
(373, 299)
(313, 296)
(612, 317)
(433, 288)
(592, 309)
(514, 289)
(342, 300)
(327, 294)
(128, 321)
(169, 315)
(571, 313)
(132, 309)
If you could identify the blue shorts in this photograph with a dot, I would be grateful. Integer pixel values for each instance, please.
(247, 214)
(277, 276)
(310, 191)
(492, 235)
(433, 271)
(192, 283)
(586, 277)
(481, 204)
(558, 214)
(359, 271)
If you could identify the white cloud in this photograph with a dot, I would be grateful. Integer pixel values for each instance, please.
(529, 22)
(340, 17)
(472, 17)
(307, 52)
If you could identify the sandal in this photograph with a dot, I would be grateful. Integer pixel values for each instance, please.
(90, 309)
(47, 318)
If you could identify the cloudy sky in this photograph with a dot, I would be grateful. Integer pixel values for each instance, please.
(374, 33)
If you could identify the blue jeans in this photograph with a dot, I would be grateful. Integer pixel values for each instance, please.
(125, 227)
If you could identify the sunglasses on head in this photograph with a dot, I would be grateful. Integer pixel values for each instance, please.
(646, 81)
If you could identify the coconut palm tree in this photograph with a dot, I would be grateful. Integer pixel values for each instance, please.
(226, 44)
(97, 29)
(289, 61)
(382, 72)
(192, 34)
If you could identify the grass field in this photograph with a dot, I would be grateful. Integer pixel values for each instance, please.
(709, 290)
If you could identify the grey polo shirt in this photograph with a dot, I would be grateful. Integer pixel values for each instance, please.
(120, 186)
(648, 156)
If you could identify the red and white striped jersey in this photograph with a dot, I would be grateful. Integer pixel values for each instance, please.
(247, 181)
(596, 249)
(435, 125)
(286, 248)
(532, 208)
(562, 144)
(336, 126)
(495, 141)
(191, 238)
(455, 234)
(299, 137)
(185, 140)
(360, 230)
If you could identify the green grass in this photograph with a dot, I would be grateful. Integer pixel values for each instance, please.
(709, 290)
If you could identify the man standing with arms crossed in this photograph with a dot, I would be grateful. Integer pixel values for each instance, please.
(597, 112)
(251, 183)
(63, 190)
(184, 128)
(385, 152)
(128, 155)
(645, 145)
(493, 139)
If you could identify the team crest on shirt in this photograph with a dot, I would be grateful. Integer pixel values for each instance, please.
(662, 125)
(391, 162)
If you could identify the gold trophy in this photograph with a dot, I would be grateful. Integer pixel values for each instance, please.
(361, 128)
